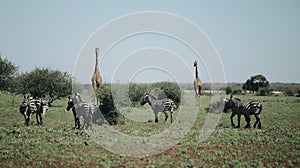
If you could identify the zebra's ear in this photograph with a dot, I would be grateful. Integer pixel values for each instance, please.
(69, 98)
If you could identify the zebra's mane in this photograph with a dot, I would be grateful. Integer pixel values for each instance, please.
(152, 97)
(238, 99)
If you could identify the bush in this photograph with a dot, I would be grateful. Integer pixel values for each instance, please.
(228, 90)
(264, 91)
(107, 106)
(136, 92)
(160, 90)
(170, 89)
(288, 92)
(298, 93)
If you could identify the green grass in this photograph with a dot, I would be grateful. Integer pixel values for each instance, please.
(57, 144)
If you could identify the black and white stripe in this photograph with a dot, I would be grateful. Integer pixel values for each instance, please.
(244, 108)
(29, 106)
(79, 108)
(42, 106)
(163, 105)
(25, 110)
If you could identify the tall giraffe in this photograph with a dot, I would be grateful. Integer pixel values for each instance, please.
(96, 79)
(197, 83)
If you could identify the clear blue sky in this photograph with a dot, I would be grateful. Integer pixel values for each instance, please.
(251, 37)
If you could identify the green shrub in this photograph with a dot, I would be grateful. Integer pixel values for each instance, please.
(107, 106)
(288, 92)
(264, 91)
(136, 92)
(170, 89)
(298, 93)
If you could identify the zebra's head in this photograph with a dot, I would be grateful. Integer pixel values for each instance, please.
(145, 99)
(25, 102)
(231, 103)
(195, 63)
(228, 104)
(70, 104)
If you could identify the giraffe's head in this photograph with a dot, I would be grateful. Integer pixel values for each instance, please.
(195, 63)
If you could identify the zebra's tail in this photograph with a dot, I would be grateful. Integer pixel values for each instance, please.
(174, 106)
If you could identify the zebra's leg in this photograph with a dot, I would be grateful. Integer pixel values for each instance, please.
(24, 119)
(231, 119)
(248, 119)
(239, 121)
(171, 116)
(75, 118)
(257, 117)
(156, 116)
(78, 122)
(28, 120)
(37, 118)
(166, 115)
(42, 117)
(85, 122)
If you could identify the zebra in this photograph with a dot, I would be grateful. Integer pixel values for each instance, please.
(29, 106)
(79, 109)
(163, 105)
(25, 110)
(246, 108)
(42, 107)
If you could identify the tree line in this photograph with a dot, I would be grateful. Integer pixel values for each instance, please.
(56, 84)
(39, 82)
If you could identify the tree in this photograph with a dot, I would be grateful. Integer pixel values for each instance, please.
(136, 92)
(42, 82)
(255, 82)
(7, 73)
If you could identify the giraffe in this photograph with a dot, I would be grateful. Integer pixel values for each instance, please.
(96, 79)
(197, 83)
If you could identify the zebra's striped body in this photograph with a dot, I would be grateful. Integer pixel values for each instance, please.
(25, 110)
(163, 105)
(244, 108)
(29, 106)
(42, 108)
(79, 108)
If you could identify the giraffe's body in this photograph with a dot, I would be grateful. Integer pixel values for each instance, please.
(96, 79)
(197, 83)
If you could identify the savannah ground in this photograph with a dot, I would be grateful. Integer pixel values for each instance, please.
(57, 144)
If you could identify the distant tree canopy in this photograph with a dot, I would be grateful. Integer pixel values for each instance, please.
(7, 73)
(255, 82)
(42, 82)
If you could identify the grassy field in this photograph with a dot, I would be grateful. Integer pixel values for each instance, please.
(57, 144)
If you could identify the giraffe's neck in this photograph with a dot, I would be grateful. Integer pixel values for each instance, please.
(96, 64)
(196, 71)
